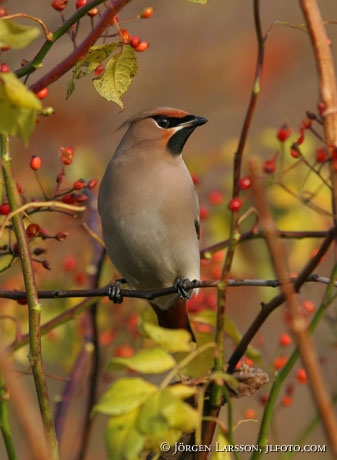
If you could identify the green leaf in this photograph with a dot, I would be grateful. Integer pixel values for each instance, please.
(95, 56)
(124, 395)
(165, 417)
(16, 35)
(123, 440)
(203, 2)
(118, 75)
(153, 361)
(181, 391)
(18, 107)
(171, 340)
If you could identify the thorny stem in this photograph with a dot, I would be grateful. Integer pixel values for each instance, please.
(34, 307)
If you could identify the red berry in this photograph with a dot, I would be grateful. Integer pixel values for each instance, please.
(124, 351)
(245, 183)
(59, 5)
(279, 362)
(32, 230)
(66, 154)
(269, 166)
(287, 401)
(42, 93)
(143, 46)
(82, 198)
(285, 340)
(321, 107)
(125, 36)
(321, 155)
(235, 204)
(294, 150)
(79, 184)
(3, 12)
(99, 70)
(215, 197)
(70, 198)
(93, 12)
(5, 48)
(19, 188)
(92, 183)
(195, 179)
(4, 68)
(147, 12)
(250, 413)
(301, 376)
(4, 209)
(283, 133)
(70, 263)
(35, 163)
(135, 40)
(204, 212)
(308, 306)
(80, 3)
(203, 327)
(61, 236)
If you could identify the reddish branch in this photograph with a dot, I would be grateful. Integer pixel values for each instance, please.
(60, 69)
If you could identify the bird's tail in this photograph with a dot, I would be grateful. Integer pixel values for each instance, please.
(175, 317)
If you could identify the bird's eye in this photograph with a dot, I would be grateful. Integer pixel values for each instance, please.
(162, 122)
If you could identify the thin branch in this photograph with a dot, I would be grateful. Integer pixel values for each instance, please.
(258, 234)
(268, 308)
(150, 295)
(327, 84)
(34, 307)
(25, 407)
(38, 204)
(47, 33)
(60, 69)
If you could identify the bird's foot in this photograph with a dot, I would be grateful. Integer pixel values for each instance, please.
(114, 291)
(182, 290)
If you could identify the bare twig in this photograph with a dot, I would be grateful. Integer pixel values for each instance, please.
(29, 418)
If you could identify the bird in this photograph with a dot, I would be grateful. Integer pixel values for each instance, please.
(149, 210)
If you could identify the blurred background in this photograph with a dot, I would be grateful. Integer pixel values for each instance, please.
(201, 59)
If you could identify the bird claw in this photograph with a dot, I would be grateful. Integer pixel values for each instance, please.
(182, 290)
(114, 291)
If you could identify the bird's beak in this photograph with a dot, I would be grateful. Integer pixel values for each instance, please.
(198, 121)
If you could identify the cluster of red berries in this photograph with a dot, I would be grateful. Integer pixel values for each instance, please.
(284, 132)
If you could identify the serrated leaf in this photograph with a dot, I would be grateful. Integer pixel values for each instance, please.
(117, 78)
(171, 340)
(124, 395)
(18, 107)
(95, 56)
(123, 440)
(16, 35)
(152, 361)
